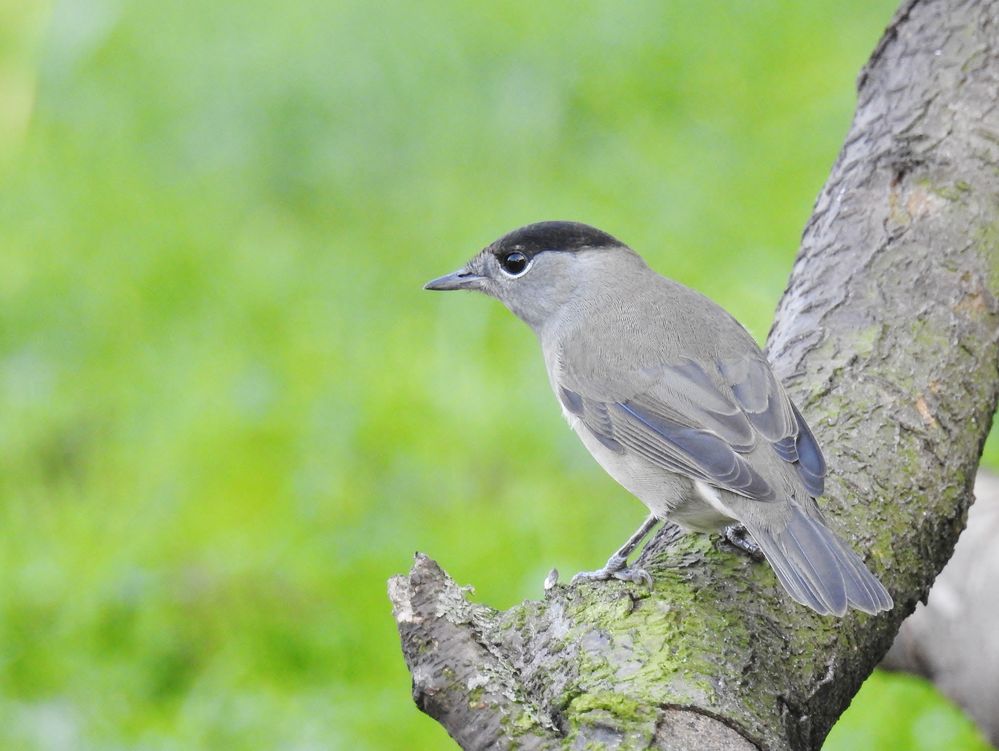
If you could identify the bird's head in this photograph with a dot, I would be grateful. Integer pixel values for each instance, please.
(536, 270)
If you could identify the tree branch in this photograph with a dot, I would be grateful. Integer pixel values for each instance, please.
(951, 640)
(887, 339)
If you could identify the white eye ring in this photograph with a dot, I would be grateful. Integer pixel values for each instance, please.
(514, 264)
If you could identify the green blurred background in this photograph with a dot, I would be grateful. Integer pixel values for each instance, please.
(228, 412)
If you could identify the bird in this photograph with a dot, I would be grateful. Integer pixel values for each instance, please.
(675, 400)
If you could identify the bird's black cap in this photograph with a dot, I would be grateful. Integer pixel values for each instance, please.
(566, 237)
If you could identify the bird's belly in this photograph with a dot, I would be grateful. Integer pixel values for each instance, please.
(668, 495)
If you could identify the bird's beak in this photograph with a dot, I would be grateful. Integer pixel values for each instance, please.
(460, 279)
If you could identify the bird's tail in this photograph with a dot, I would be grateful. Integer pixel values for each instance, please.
(817, 568)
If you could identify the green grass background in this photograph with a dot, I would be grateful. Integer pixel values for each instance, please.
(228, 412)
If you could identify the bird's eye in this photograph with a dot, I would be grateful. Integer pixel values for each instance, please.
(514, 263)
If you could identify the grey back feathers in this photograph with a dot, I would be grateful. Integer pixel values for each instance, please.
(659, 381)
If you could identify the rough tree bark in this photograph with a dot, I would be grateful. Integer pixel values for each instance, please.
(887, 339)
(953, 639)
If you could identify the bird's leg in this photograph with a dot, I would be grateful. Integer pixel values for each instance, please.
(617, 565)
(739, 538)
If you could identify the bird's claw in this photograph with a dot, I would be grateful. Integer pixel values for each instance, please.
(635, 574)
(737, 536)
(625, 573)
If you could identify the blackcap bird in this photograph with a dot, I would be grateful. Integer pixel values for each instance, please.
(674, 399)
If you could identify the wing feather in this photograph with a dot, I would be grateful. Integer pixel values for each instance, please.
(704, 424)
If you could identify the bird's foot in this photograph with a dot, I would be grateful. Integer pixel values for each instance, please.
(739, 538)
(616, 568)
